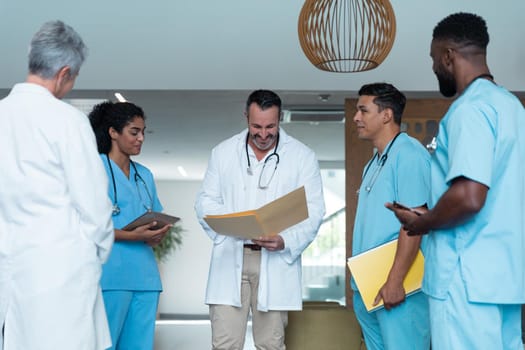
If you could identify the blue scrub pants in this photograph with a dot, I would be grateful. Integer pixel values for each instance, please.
(405, 327)
(131, 318)
(457, 323)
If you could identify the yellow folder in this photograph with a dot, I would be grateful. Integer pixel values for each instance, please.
(268, 220)
(370, 270)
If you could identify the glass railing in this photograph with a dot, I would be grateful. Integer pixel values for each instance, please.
(324, 261)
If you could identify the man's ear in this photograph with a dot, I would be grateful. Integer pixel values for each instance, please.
(63, 76)
(61, 79)
(449, 56)
(388, 115)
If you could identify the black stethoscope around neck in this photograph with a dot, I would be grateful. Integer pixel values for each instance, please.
(382, 162)
(137, 178)
(274, 157)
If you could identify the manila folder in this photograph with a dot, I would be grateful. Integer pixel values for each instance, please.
(370, 270)
(268, 220)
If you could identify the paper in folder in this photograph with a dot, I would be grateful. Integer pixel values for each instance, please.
(370, 270)
(268, 220)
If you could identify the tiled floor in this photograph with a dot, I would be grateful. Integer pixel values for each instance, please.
(189, 335)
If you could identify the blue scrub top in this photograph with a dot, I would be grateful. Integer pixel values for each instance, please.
(481, 138)
(131, 265)
(404, 177)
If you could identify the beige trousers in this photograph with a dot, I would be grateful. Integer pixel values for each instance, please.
(228, 323)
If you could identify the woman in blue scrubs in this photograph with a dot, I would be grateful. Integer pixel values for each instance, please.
(130, 278)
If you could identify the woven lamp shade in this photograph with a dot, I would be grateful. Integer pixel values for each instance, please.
(346, 35)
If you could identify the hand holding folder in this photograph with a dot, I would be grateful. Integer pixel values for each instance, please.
(370, 271)
(268, 220)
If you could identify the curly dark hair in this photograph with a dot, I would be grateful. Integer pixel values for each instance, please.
(114, 115)
(386, 96)
(464, 29)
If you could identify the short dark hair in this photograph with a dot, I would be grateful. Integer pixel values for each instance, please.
(386, 96)
(464, 29)
(114, 115)
(264, 99)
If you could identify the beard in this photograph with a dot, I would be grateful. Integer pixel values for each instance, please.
(447, 84)
(266, 145)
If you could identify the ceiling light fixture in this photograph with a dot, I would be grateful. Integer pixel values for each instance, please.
(313, 116)
(324, 97)
(120, 98)
(182, 171)
(346, 35)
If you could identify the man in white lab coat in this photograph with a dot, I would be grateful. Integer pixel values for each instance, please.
(263, 276)
(55, 216)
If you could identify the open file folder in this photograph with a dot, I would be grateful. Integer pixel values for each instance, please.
(370, 270)
(268, 220)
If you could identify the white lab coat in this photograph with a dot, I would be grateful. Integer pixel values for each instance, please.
(55, 225)
(224, 191)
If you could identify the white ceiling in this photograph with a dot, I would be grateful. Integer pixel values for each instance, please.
(191, 64)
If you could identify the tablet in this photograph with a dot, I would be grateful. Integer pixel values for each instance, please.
(150, 216)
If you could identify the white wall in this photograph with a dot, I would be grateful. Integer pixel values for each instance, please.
(185, 273)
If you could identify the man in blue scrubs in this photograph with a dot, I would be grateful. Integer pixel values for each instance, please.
(399, 171)
(475, 256)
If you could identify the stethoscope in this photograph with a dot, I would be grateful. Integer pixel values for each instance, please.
(137, 177)
(272, 156)
(382, 162)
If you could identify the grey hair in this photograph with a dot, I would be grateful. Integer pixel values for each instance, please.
(55, 46)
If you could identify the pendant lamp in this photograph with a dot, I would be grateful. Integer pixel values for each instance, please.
(346, 35)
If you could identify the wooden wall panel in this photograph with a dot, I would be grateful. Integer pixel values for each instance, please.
(357, 153)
